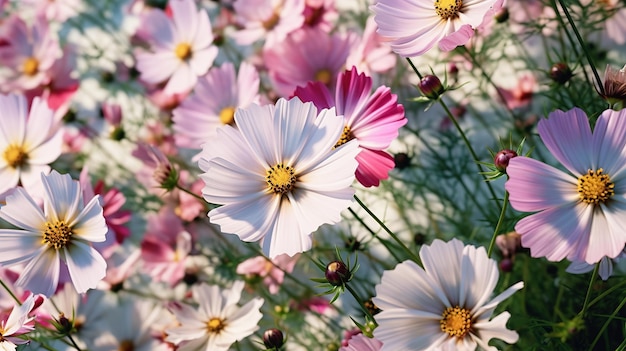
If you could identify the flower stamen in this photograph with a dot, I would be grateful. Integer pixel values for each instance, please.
(15, 156)
(447, 9)
(595, 187)
(346, 136)
(456, 321)
(30, 66)
(227, 115)
(183, 51)
(215, 325)
(57, 234)
(281, 179)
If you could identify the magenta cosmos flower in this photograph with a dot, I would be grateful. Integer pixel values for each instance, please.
(181, 47)
(64, 231)
(580, 216)
(414, 26)
(278, 176)
(213, 103)
(373, 119)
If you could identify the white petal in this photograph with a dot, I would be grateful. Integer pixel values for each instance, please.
(63, 197)
(41, 275)
(86, 266)
(90, 224)
(18, 245)
(22, 211)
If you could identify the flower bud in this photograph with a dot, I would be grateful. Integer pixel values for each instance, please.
(431, 87)
(560, 72)
(502, 15)
(506, 265)
(273, 339)
(502, 158)
(402, 160)
(337, 273)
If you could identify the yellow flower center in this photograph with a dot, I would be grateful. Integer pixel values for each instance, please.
(456, 321)
(280, 179)
(324, 76)
(346, 136)
(30, 66)
(183, 51)
(15, 156)
(215, 325)
(595, 187)
(57, 234)
(448, 8)
(227, 115)
(126, 345)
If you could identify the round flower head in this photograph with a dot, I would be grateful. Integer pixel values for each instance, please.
(414, 26)
(63, 231)
(445, 305)
(278, 176)
(580, 216)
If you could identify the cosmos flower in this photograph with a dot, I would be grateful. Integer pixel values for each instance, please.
(218, 322)
(413, 27)
(63, 232)
(278, 176)
(361, 342)
(18, 323)
(29, 141)
(271, 20)
(580, 216)
(373, 119)
(444, 306)
(213, 103)
(181, 47)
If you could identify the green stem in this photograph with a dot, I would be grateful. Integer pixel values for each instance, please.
(606, 324)
(411, 254)
(419, 75)
(382, 241)
(361, 303)
(582, 45)
(607, 292)
(10, 293)
(586, 303)
(505, 202)
(200, 198)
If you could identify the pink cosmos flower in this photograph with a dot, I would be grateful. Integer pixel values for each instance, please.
(18, 323)
(306, 55)
(63, 231)
(320, 13)
(29, 141)
(28, 54)
(361, 342)
(56, 10)
(272, 271)
(213, 103)
(373, 119)
(181, 48)
(371, 54)
(165, 247)
(520, 95)
(413, 27)
(580, 216)
(269, 19)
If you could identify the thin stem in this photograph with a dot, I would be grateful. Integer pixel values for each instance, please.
(505, 202)
(179, 187)
(583, 47)
(382, 241)
(586, 303)
(361, 302)
(606, 324)
(414, 68)
(411, 254)
(69, 336)
(10, 293)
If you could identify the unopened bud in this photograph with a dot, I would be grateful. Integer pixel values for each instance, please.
(273, 339)
(560, 72)
(337, 273)
(431, 87)
(502, 158)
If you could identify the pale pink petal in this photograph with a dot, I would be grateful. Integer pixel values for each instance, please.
(41, 275)
(608, 145)
(63, 197)
(185, 19)
(18, 246)
(21, 211)
(48, 151)
(157, 67)
(90, 224)
(458, 38)
(182, 80)
(607, 236)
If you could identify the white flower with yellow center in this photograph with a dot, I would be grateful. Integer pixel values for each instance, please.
(217, 322)
(279, 176)
(445, 305)
(29, 141)
(415, 26)
(62, 232)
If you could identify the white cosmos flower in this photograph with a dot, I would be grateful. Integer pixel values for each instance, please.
(29, 141)
(278, 176)
(445, 305)
(63, 231)
(217, 322)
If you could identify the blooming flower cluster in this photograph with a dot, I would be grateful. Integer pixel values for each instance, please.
(359, 175)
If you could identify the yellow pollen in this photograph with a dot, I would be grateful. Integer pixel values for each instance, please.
(346, 136)
(57, 234)
(595, 187)
(448, 8)
(126, 345)
(215, 325)
(183, 51)
(280, 179)
(456, 321)
(324, 76)
(15, 156)
(227, 115)
(30, 66)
